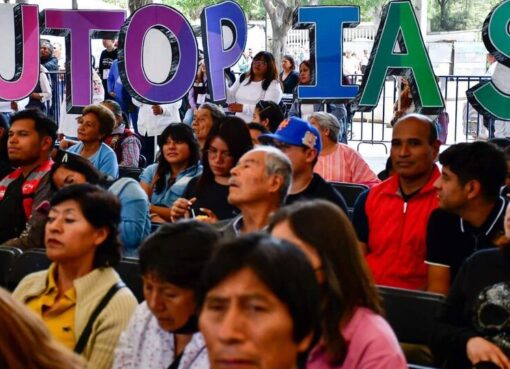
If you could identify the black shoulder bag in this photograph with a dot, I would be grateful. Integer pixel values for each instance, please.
(85, 335)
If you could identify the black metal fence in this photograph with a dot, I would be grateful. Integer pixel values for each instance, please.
(465, 124)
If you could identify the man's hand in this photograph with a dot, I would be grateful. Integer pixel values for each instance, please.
(479, 349)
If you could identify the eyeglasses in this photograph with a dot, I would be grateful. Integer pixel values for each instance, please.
(259, 62)
(213, 153)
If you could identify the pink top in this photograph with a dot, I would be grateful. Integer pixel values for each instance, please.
(371, 345)
(345, 165)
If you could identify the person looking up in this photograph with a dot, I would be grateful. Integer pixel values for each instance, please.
(258, 185)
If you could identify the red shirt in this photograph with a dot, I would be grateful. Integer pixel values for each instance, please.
(397, 233)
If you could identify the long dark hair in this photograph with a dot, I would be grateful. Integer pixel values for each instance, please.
(348, 282)
(235, 133)
(271, 73)
(177, 132)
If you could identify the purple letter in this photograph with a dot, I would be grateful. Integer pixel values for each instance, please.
(26, 69)
(184, 54)
(217, 56)
(80, 25)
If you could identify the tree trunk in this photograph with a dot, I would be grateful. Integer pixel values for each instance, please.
(135, 4)
(278, 44)
(443, 14)
(280, 14)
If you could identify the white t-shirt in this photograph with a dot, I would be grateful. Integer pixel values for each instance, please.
(249, 94)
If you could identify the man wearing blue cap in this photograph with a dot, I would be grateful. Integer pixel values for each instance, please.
(301, 143)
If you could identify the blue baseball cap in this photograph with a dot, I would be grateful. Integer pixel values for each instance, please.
(296, 132)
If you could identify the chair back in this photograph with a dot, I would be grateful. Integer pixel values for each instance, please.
(350, 192)
(30, 261)
(411, 313)
(129, 272)
(130, 172)
(8, 256)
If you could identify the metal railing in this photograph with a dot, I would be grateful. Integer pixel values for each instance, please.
(465, 124)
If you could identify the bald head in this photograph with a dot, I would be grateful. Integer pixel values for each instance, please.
(432, 136)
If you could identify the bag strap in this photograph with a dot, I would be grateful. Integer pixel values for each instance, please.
(84, 337)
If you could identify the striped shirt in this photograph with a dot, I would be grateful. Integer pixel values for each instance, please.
(345, 165)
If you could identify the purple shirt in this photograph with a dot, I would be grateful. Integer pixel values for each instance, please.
(371, 345)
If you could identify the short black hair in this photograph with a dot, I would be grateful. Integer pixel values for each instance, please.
(101, 209)
(282, 267)
(501, 142)
(43, 125)
(271, 111)
(479, 161)
(257, 126)
(178, 252)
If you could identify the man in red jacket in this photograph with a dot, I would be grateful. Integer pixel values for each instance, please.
(29, 145)
(391, 218)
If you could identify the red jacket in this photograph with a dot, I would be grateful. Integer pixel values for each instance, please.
(29, 185)
(397, 233)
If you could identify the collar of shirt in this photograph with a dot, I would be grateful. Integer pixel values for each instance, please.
(496, 214)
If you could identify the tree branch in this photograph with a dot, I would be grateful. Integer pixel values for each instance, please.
(270, 9)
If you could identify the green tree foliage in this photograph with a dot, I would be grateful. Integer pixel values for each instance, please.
(457, 15)
(368, 8)
(193, 8)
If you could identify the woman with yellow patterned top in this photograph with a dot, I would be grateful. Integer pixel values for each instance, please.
(80, 297)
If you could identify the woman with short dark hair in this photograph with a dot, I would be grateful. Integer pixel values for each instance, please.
(81, 239)
(163, 331)
(94, 125)
(354, 335)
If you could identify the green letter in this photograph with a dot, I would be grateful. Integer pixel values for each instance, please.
(399, 27)
(492, 98)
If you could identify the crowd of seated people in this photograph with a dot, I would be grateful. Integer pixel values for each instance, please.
(246, 251)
